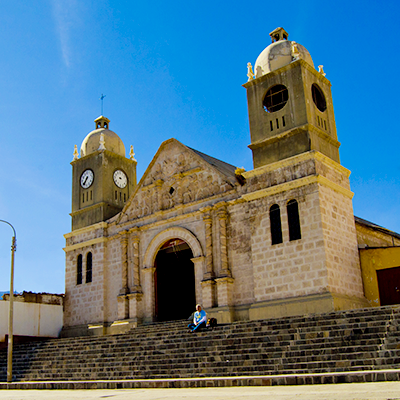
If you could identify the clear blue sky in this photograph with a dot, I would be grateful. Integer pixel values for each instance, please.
(175, 69)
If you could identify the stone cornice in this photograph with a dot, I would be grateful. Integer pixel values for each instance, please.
(292, 132)
(92, 207)
(107, 152)
(288, 162)
(81, 245)
(86, 229)
(178, 208)
(279, 71)
(319, 132)
(332, 164)
(308, 180)
(277, 138)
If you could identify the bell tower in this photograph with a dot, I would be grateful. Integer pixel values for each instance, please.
(289, 104)
(102, 178)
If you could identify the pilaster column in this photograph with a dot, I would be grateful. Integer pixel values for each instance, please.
(149, 294)
(123, 303)
(135, 296)
(123, 306)
(208, 293)
(224, 291)
(222, 215)
(124, 263)
(134, 275)
(198, 275)
(224, 281)
(135, 308)
(207, 218)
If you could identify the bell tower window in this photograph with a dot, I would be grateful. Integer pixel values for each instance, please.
(276, 225)
(276, 98)
(318, 97)
(79, 270)
(293, 220)
(89, 267)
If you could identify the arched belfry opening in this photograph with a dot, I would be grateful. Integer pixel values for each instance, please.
(174, 281)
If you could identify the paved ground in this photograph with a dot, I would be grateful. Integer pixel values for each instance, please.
(349, 391)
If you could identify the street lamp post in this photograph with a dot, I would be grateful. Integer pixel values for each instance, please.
(11, 309)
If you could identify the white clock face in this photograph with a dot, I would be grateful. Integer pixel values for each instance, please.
(87, 178)
(120, 178)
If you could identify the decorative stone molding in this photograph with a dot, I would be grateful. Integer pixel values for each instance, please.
(85, 244)
(295, 160)
(86, 229)
(171, 233)
(308, 180)
(134, 275)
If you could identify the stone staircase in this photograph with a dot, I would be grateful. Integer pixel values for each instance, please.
(350, 343)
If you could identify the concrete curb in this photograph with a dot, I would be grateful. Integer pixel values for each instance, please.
(232, 381)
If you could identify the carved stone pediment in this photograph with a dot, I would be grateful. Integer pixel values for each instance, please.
(177, 176)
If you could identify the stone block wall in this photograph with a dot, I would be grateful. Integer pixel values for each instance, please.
(339, 234)
(292, 268)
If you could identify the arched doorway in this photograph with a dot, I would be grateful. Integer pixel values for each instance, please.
(174, 281)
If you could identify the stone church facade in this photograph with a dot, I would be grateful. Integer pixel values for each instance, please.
(278, 240)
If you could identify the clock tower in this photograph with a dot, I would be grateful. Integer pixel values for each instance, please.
(102, 178)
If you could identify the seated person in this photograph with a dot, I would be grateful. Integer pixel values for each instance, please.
(199, 319)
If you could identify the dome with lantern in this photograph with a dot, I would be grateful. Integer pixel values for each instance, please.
(279, 53)
(112, 141)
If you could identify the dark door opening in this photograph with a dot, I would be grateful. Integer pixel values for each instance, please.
(174, 281)
(389, 286)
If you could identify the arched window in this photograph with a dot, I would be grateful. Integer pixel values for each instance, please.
(293, 220)
(276, 226)
(79, 270)
(318, 97)
(89, 267)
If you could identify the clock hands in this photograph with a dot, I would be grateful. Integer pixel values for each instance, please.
(87, 178)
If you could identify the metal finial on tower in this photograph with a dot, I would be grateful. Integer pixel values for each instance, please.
(102, 98)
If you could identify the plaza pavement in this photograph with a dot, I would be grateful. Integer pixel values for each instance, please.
(344, 391)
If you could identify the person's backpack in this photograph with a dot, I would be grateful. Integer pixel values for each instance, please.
(212, 323)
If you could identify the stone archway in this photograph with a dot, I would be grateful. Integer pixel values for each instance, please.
(153, 256)
(171, 233)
